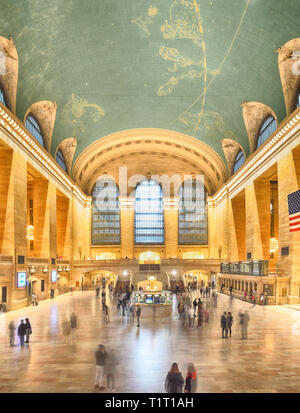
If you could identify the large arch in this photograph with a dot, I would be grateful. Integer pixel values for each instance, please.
(161, 151)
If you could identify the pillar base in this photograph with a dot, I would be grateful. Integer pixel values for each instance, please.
(293, 299)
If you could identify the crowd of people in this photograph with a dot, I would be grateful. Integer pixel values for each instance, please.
(194, 308)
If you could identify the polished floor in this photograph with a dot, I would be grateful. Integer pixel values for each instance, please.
(269, 361)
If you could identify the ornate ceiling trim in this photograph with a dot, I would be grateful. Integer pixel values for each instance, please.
(45, 114)
(146, 140)
(288, 56)
(254, 114)
(68, 148)
(9, 80)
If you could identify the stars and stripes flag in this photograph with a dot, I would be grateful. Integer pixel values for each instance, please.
(294, 211)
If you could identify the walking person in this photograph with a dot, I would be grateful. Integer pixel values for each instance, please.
(191, 317)
(73, 322)
(246, 319)
(229, 322)
(66, 328)
(245, 295)
(138, 314)
(100, 356)
(12, 333)
(28, 329)
(106, 314)
(174, 381)
(22, 332)
(224, 325)
(191, 379)
(110, 367)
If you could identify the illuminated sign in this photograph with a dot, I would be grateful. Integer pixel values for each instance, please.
(21, 279)
(53, 276)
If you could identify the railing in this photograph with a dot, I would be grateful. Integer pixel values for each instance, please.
(254, 268)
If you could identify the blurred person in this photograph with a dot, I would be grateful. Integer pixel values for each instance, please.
(22, 332)
(246, 320)
(241, 322)
(174, 381)
(100, 356)
(245, 295)
(110, 368)
(97, 291)
(28, 329)
(12, 333)
(66, 328)
(138, 314)
(106, 313)
(73, 322)
(206, 315)
(191, 314)
(229, 322)
(224, 325)
(191, 379)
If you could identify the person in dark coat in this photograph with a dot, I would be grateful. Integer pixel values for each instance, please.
(174, 381)
(138, 314)
(224, 325)
(73, 320)
(22, 332)
(28, 330)
(229, 322)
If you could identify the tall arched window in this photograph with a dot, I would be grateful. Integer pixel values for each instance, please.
(239, 160)
(297, 100)
(106, 213)
(268, 127)
(148, 214)
(60, 159)
(33, 127)
(2, 97)
(192, 214)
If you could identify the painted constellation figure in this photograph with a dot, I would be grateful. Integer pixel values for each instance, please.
(79, 112)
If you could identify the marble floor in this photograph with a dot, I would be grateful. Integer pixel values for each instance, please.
(269, 361)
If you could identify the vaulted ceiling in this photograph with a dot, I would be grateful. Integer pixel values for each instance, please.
(184, 66)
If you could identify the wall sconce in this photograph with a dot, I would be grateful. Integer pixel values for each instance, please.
(32, 269)
(45, 269)
(273, 245)
(30, 232)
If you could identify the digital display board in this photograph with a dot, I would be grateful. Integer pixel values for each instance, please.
(53, 276)
(21, 279)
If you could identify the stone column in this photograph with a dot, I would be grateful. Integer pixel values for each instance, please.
(212, 253)
(63, 226)
(258, 219)
(127, 227)
(171, 227)
(44, 218)
(288, 182)
(237, 228)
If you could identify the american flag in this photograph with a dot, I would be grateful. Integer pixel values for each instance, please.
(294, 211)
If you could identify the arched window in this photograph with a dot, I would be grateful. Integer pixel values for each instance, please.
(148, 214)
(239, 160)
(33, 127)
(2, 97)
(297, 100)
(60, 159)
(106, 213)
(192, 213)
(268, 127)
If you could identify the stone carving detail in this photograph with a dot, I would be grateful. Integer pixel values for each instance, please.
(231, 149)
(254, 113)
(289, 69)
(45, 113)
(68, 148)
(9, 79)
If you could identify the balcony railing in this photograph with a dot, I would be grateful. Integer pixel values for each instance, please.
(254, 268)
